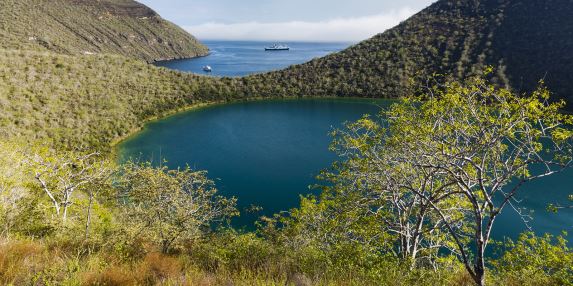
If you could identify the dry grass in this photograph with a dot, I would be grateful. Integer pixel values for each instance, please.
(18, 258)
(462, 279)
(111, 276)
(158, 268)
(41, 263)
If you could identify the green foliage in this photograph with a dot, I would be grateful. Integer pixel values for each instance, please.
(95, 100)
(46, 192)
(61, 174)
(526, 40)
(170, 206)
(106, 98)
(487, 142)
(533, 260)
(61, 85)
(427, 180)
(12, 191)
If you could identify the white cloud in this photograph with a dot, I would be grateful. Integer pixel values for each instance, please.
(343, 29)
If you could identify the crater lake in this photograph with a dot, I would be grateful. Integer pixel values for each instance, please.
(265, 153)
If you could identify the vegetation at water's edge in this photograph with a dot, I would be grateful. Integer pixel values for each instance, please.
(92, 100)
(400, 208)
(113, 96)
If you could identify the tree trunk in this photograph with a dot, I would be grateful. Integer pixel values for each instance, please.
(479, 267)
(89, 216)
(65, 215)
(165, 246)
(479, 278)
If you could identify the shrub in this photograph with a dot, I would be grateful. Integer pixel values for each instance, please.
(535, 260)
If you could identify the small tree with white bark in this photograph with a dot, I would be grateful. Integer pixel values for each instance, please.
(381, 171)
(62, 174)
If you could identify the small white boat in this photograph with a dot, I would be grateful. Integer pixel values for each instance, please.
(207, 69)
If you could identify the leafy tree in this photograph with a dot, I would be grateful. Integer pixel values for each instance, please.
(447, 164)
(489, 142)
(170, 206)
(381, 172)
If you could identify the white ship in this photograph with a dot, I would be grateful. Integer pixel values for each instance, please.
(277, 47)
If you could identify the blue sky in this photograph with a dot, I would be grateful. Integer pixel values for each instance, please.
(287, 20)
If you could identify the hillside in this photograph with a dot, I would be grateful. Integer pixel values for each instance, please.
(525, 40)
(76, 27)
(91, 100)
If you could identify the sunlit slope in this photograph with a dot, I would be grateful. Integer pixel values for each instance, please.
(76, 27)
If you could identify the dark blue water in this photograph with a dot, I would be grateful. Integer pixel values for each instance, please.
(265, 153)
(232, 58)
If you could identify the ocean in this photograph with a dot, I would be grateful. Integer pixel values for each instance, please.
(240, 58)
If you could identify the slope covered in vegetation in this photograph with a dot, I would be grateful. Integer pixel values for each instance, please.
(525, 40)
(76, 27)
(386, 215)
(93, 99)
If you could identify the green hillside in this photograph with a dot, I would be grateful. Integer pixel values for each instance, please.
(91, 100)
(76, 27)
(525, 40)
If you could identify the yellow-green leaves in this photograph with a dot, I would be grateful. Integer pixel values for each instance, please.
(368, 124)
(457, 157)
(562, 134)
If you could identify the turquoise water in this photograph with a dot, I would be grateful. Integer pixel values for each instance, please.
(235, 58)
(267, 153)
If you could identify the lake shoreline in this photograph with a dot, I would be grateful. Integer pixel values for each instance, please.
(266, 152)
(118, 141)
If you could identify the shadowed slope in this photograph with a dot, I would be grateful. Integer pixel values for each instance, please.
(525, 40)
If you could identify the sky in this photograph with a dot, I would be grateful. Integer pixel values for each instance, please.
(286, 20)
